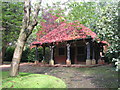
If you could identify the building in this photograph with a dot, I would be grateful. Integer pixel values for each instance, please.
(73, 43)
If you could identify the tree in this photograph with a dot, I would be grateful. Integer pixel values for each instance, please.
(28, 24)
(85, 12)
(107, 27)
(101, 17)
(12, 14)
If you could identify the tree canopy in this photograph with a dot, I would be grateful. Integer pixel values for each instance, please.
(12, 14)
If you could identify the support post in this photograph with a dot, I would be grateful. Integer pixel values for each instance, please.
(88, 61)
(51, 62)
(99, 56)
(36, 55)
(68, 61)
(43, 60)
(93, 56)
(102, 56)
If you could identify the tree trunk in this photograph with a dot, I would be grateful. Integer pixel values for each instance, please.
(1, 57)
(27, 28)
(17, 54)
(2, 53)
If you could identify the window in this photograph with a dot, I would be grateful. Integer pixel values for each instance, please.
(81, 50)
(61, 51)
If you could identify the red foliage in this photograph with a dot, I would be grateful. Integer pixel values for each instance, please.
(46, 27)
(105, 42)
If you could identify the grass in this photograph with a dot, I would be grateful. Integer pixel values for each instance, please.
(29, 80)
(103, 76)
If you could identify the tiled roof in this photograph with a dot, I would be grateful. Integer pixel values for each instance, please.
(65, 32)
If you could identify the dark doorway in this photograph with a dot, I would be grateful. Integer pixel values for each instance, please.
(72, 55)
(81, 54)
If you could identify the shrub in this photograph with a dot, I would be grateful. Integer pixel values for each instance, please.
(31, 55)
(9, 53)
(109, 56)
(28, 54)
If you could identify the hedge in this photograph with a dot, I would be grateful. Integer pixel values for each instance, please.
(28, 54)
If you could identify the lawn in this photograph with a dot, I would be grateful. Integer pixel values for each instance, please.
(29, 80)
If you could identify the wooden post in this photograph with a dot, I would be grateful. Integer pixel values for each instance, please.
(93, 56)
(51, 58)
(102, 56)
(36, 55)
(88, 61)
(43, 60)
(101, 60)
(68, 61)
(99, 55)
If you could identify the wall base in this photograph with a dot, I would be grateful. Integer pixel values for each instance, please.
(51, 62)
(88, 62)
(68, 62)
(43, 62)
(99, 61)
(93, 61)
(36, 62)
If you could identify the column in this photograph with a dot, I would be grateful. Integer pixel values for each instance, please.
(43, 60)
(102, 55)
(36, 55)
(99, 55)
(88, 61)
(93, 56)
(68, 61)
(51, 62)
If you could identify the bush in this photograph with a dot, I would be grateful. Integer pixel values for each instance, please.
(28, 54)
(31, 55)
(9, 53)
(109, 56)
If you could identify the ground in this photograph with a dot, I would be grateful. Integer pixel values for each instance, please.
(30, 80)
(95, 77)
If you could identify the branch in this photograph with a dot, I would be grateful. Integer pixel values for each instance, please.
(13, 24)
(27, 11)
(35, 13)
(34, 17)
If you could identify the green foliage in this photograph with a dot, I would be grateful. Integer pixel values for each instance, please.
(29, 80)
(9, 53)
(31, 55)
(28, 54)
(25, 55)
(107, 28)
(85, 12)
(12, 14)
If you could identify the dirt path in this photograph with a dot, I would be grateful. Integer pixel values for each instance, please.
(72, 77)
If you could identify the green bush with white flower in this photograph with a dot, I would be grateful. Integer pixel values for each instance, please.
(117, 63)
